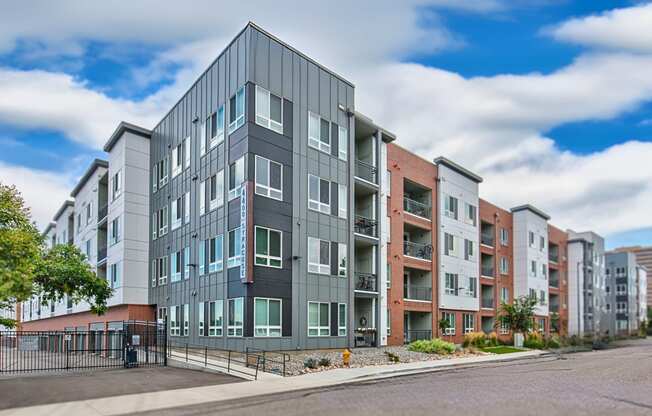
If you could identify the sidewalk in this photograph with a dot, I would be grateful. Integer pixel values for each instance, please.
(268, 385)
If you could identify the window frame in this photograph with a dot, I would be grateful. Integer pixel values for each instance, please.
(236, 259)
(450, 317)
(318, 268)
(268, 258)
(342, 329)
(342, 143)
(235, 330)
(318, 205)
(267, 190)
(316, 142)
(240, 104)
(319, 330)
(267, 327)
(265, 120)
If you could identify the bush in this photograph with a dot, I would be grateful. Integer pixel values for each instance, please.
(310, 363)
(553, 342)
(392, 357)
(534, 341)
(476, 339)
(433, 346)
(492, 339)
(643, 329)
(325, 362)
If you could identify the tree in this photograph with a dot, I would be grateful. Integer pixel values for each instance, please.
(443, 326)
(519, 316)
(28, 268)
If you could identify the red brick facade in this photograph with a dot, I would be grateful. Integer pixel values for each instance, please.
(85, 319)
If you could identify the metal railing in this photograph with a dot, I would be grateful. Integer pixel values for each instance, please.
(487, 239)
(366, 282)
(366, 226)
(553, 282)
(366, 171)
(412, 335)
(101, 254)
(416, 208)
(487, 303)
(417, 292)
(102, 212)
(418, 250)
(487, 271)
(553, 258)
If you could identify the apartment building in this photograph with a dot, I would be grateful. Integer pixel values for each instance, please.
(107, 219)
(644, 259)
(625, 294)
(558, 279)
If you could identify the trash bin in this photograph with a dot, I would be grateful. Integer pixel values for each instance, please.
(131, 357)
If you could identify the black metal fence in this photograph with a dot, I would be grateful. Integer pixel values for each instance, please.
(135, 344)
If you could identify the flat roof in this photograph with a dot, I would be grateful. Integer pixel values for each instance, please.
(385, 135)
(441, 160)
(532, 209)
(97, 163)
(67, 203)
(50, 226)
(122, 128)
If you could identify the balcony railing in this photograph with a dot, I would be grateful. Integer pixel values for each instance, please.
(554, 282)
(487, 271)
(554, 308)
(553, 258)
(102, 212)
(412, 335)
(418, 250)
(101, 255)
(418, 292)
(416, 208)
(366, 282)
(366, 226)
(487, 239)
(487, 303)
(366, 171)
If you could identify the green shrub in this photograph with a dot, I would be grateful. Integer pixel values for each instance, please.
(310, 363)
(392, 357)
(492, 339)
(325, 362)
(476, 339)
(534, 341)
(553, 342)
(433, 346)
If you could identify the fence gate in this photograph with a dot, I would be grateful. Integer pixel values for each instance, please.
(133, 344)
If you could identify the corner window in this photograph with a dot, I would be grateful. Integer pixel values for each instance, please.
(236, 177)
(319, 256)
(267, 317)
(319, 319)
(236, 110)
(269, 178)
(319, 194)
(269, 110)
(341, 320)
(235, 249)
(268, 245)
(235, 317)
(319, 133)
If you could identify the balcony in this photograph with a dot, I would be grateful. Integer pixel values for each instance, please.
(417, 250)
(487, 234)
(366, 226)
(102, 212)
(366, 282)
(417, 335)
(414, 292)
(416, 326)
(487, 271)
(487, 268)
(487, 303)
(101, 255)
(366, 171)
(554, 278)
(416, 208)
(553, 253)
(487, 297)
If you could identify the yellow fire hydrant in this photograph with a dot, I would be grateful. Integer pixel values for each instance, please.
(346, 357)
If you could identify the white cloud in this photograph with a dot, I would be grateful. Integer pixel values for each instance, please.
(627, 28)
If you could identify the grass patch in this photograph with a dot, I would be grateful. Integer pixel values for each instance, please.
(501, 349)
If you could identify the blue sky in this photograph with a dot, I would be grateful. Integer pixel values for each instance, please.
(496, 54)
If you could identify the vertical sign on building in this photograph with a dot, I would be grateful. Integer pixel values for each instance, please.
(243, 233)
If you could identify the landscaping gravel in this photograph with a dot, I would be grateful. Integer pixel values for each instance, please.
(364, 357)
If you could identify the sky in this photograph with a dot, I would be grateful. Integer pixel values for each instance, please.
(550, 101)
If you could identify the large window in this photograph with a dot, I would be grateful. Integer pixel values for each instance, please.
(212, 131)
(504, 295)
(319, 256)
(341, 320)
(269, 178)
(236, 177)
(449, 245)
(269, 110)
(343, 142)
(319, 319)
(468, 320)
(504, 265)
(269, 246)
(504, 236)
(235, 317)
(450, 284)
(162, 269)
(176, 208)
(267, 317)
(450, 319)
(471, 214)
(211, 318)
(215, 254)
(175, 267)
(235, 250)
(319, 194)
(450, 207)
(237, 110)
(163, 221)
(175, 320)
(319, 133)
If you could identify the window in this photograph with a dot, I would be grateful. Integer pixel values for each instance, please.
(341, 319)
(155, 177)
(235, 250)
(269, 178)
(450, 207)
(269, 110)
(319, 256)
(533, 268)
(504, 265)
(319, 133)
(154, 272)
(176, 208)
(542, 243)
(542, 325)
(504, 236)
(621, 289)
(236, 177)
(621, 307)
(175, 267)
(268, 247)
(472, 290)
(468, 250)
(235, 316)
(212, 131)
(533, 294)
(116, 185)
(88, 250)
(342, 200)
(319, 194)
(504, 295)
(542, 297)
(186, 208)
(318, 319)
(544, 270)
(211, 191)
(236, 110)
(267, 317)
(177, 160)
(89, 213)
(214, 312)
(531, 238)
(389, 322)
(162, 268)
(186, 263)
(341, 260)
(504, 328)
(343, 142)
(115, 231)
(186, 319)
(450, 318)
(202, 257)
(163, 222)
(201, 311)
(155, 225)
(114, 275)
(175, 320)
(468, 320)
(162, 172)
(215, 253)
(450, 286)
(449, 245)
(186, 153)
(79, 224)
(471, 215)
